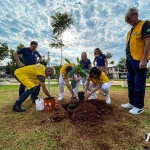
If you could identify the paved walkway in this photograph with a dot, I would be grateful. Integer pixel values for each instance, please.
(13, 81)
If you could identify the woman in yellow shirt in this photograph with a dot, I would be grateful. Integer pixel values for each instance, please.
(97, 79)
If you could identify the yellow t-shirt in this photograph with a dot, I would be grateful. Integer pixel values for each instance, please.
(102, 79)
(28, 75)
(63, 70)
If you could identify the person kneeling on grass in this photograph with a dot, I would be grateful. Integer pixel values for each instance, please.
(63, 78)
(96, 80)
(31, 76)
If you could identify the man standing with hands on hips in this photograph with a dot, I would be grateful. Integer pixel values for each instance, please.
(138, 54)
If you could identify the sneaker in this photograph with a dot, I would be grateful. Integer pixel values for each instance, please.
(108, 101)
(60, 98)
(136, 111)
(128, 105)
(93, 97)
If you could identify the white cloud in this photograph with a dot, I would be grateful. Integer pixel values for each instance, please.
(96, 24)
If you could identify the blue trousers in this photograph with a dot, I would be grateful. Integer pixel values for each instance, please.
(34, 95)
(24, 96)
(136, 83)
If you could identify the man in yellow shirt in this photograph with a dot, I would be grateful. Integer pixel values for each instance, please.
(98, 80)
(63, 78)
(31, 76)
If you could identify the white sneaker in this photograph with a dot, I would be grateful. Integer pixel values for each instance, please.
(128, 105)
(60, 98)
(93, 97)
(136, 111)
(108, 101)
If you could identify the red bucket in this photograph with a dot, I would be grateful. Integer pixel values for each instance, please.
(49, 104)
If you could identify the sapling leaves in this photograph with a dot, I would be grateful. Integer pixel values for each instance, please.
(67, 60)
(73, 83)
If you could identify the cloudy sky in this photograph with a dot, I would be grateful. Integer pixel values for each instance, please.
(96, 23)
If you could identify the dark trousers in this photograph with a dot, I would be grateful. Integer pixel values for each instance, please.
(136, 83)
(24, 96)
(34, 95)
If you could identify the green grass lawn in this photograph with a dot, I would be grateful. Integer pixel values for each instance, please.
(34, 130)
(53, 80)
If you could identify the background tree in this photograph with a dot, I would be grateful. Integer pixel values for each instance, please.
(112, 62)
(20, 46)
(61, 22)
(109, 55)
(122, 68)
(57, 44)
(44, 61)
(3, 51)
(121, 63)
(12, 65)
(148, 73)
(56, 75)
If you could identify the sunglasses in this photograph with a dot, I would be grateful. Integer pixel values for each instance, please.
(128, 19)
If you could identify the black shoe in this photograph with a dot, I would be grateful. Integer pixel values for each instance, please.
(33, 101)
(18, 108)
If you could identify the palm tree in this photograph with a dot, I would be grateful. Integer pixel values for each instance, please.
(112, 62)
(109, 55)
(57, 44)
(61, 22)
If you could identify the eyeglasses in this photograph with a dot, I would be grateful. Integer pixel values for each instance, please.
(128, 19)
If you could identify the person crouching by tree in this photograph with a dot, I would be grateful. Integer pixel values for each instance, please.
(97, 79)
(31, 76)
(63, 78)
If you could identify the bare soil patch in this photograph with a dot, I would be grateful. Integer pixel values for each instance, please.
(95, 119)
(88, 113)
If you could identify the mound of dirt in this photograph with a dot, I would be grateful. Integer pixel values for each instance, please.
(89, 113)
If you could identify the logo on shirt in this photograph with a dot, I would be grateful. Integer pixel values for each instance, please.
(38, 66)
(135, 33)
(148, 30)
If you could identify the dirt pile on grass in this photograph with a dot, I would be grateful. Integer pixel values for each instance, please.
(89, 113)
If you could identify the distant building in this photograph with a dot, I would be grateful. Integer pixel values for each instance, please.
(115, 72)
(2, 71)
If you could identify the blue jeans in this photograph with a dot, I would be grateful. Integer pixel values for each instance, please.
(21, 89)
(24, 96)
(34, 95)
(136, 83)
